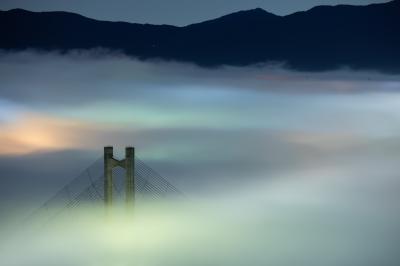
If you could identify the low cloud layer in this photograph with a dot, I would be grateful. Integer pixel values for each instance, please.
(85, 77)
(202, 128)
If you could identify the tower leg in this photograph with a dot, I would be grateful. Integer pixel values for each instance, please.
(130, 175)
(108, 184)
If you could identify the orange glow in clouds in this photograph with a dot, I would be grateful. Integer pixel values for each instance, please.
(33, 132)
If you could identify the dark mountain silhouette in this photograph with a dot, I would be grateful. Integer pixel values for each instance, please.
(322, 38)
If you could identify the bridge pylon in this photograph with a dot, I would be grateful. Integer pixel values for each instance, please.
(129, 165)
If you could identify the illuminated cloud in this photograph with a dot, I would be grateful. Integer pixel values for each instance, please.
(33, 132)
(79, 78)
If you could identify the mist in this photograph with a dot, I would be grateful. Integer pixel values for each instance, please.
(287, 167)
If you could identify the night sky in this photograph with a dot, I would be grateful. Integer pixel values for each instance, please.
(173, 12)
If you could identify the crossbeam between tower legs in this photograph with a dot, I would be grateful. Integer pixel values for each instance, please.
(129, 165)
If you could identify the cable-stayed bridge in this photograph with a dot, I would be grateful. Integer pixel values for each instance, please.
(93, 184)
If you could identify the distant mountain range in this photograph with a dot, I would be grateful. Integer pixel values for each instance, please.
(322, 38)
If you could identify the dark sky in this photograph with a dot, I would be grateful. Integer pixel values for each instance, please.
(175, 12)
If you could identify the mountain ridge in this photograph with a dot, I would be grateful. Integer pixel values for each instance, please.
(256, 9)
(321, 38)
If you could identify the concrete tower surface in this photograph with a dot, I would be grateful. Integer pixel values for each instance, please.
(129, 165)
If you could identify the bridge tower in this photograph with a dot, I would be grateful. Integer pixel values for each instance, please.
(129, 165)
